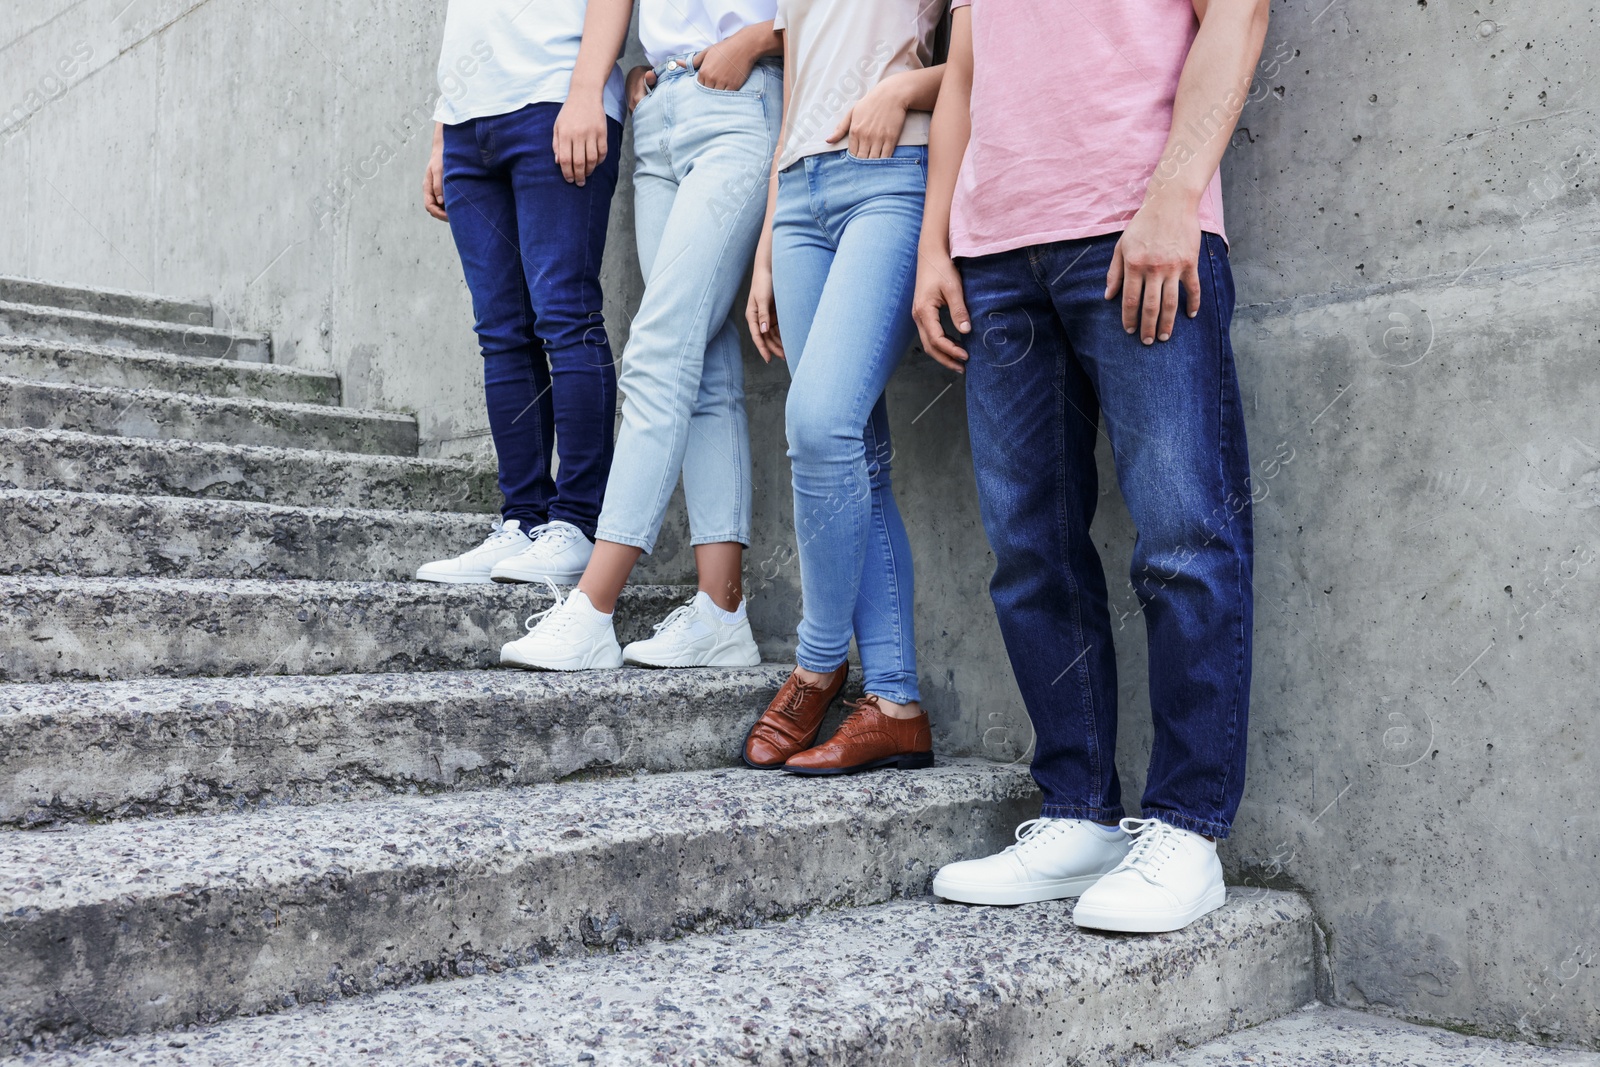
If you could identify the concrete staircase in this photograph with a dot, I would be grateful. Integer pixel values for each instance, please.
(247, 767)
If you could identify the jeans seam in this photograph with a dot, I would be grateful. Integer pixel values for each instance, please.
(1239, 638)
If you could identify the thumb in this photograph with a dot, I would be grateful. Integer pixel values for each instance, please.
(841, 130)
(1114, 275)
(956, 301)
(1191, 288)
(650, 78)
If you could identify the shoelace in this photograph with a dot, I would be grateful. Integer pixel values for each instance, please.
(501, 534)
(558, 536)
(1033, 832)
(680, 619)
(553, 614)
(1154, 842)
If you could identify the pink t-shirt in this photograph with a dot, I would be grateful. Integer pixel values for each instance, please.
(1071, 107)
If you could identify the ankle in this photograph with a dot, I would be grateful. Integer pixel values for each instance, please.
(899, 711)
(605, 605)
(812, 677)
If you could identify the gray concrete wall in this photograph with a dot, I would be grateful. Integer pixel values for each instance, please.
(1414, 222)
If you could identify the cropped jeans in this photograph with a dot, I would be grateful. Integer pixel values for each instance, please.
(1048, 362)
(703, 157)
(530, 244)
(844, 263)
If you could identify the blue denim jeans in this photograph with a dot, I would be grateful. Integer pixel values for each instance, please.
(844, 262)
(703, 157)
(1049, 361)
(530, 245)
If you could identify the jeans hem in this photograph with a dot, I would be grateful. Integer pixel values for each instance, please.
(643, 544)
(1206, 827)
(1076, 811)
(720, 539)
(893, 695)
(800, 661)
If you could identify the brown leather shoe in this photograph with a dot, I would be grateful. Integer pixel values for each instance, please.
(869, 739)
(791, 721)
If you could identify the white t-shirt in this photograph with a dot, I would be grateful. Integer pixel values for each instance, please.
(670, 28)
(839, 49)
(501, 54)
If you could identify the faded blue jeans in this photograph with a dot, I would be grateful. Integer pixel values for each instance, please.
(1048, 362)
(844, 262)
(703, 157)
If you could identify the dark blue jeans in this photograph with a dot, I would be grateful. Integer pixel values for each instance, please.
(1049, 361)
(530, 245)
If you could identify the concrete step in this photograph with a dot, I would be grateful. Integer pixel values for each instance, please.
(118, 302)
(153, 413)
(902, 983)
(53, 361)
(97, 750)
(89, 327)
(117, 628)
(1319, 1036)
(128, 926)
(90, 462)
(112, 535)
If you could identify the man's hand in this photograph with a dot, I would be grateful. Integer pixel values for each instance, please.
(939, 286)
(761, 310)
(727, 64)
(639, 83)
(1159, 250)
(580, 137)
(875, 122)
(433, 177)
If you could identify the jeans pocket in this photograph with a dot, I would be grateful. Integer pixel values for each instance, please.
(745, 91)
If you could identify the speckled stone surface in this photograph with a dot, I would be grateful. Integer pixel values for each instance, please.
(119, 302)
(64, 459)
(134, 925)
(1319, 1036)
(118, 749)
(107, 628)
(101, 534)
(153, 413)
(907, 983)
(54, 361)
(62, 324)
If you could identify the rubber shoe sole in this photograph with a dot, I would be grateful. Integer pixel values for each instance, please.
(731, 656)
(451, 579)
(598, 659)
(1007, 895)
(528, 577)
(1149, 922)
(908, 761)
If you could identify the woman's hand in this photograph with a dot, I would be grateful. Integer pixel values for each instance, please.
(433, 177)
(639, 83)
(580, 137)
(761, 311)
(727, 64)
(875, 122)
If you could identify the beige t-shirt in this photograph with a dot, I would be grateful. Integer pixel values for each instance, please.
(839, 49)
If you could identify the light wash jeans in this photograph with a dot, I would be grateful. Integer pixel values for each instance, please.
(703, 156)
(844, 262)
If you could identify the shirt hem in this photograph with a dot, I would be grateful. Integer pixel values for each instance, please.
(963, 250)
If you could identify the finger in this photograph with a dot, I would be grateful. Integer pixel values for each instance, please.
(775, 341)
(841, 129)
(1114, 275)
(1169, 309)
(564, 157)
(650, 79)
(599, 149)
(956, 300)
(1191, 288)
(752, 319)
(1132, 293)
(1150, 309)
(934, 341)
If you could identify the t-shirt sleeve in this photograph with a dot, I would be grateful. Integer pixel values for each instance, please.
(780, 19)
(959, 3)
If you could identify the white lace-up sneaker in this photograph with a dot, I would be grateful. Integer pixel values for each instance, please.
(694, 635)
(1052, 859)
(473, 567)
(569, 635)
(556, 552)
(1170, 878)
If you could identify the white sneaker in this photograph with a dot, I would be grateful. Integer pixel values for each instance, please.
(694, 635)
(1170, 878)
(1052, 859)
(473, 567)
(556, 552)
(570, 635)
